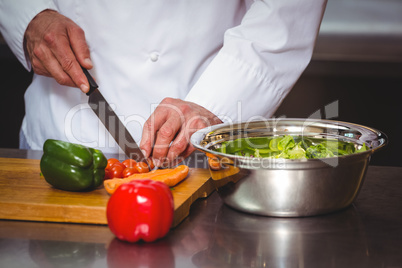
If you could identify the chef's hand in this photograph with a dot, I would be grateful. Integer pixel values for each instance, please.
(56, 47)
(166, 134)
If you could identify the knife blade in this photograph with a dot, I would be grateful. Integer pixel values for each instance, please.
(112, 122)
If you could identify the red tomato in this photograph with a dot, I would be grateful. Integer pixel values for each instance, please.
(119, 164)
(151, 163)
(107, 174)
(142, 167)
(128, 171)
(129, 162)
(111, 162)
(116, 171)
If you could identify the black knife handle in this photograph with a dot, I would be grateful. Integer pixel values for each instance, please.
(92, 84)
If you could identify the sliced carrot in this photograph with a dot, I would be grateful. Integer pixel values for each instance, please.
(214, 163)
(170, 177)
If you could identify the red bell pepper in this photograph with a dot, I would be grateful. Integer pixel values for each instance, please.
(140, 210)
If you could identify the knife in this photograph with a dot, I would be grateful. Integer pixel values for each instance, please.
(112, 122)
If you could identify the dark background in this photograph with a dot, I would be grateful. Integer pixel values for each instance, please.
(359, 69)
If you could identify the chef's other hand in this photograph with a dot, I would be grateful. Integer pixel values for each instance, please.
(166, 134)
(56, 47)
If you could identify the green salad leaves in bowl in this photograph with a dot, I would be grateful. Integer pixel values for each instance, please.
(289, 147)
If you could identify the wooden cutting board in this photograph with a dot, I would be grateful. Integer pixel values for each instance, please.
(25, 195)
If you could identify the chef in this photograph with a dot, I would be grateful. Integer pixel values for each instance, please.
(167, 68)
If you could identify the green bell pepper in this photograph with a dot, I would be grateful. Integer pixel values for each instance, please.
(72, 167)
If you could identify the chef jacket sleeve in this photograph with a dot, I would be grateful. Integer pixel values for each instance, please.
(261, 59)
(15, 15)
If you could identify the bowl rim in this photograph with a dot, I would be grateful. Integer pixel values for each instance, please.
(200, 135)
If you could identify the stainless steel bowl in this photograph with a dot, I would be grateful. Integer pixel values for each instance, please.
(288, 187)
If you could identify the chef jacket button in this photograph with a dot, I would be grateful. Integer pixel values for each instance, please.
(154, 56)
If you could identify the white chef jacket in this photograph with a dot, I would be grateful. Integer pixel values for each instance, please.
(236, 58)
